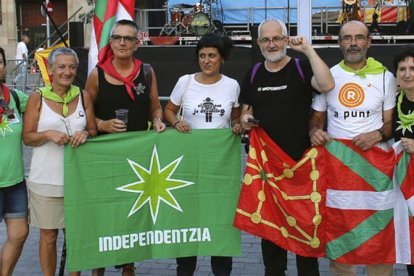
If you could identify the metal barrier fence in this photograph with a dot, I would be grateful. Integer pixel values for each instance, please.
(20, 76)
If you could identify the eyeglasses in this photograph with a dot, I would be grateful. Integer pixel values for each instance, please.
(358, 38)
(126, 38)
(67, 127)
(275, 39)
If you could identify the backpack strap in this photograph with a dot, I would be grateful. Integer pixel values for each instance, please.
(254, 71)
(257, 65)
(147, 75)
(302, 76)
(16, 100)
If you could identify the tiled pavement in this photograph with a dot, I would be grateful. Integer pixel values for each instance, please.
(249, 264)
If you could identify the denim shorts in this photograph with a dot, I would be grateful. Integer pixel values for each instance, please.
(13, 201)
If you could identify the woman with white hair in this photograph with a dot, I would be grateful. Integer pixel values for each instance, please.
(56, 115)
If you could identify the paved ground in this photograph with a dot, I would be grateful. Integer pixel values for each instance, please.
(249, 264)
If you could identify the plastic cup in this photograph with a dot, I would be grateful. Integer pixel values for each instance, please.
(122, 114)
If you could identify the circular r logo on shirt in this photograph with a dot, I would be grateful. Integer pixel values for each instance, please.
(351, 95)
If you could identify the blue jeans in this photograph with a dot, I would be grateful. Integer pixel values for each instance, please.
(21, 73)
(13, 201)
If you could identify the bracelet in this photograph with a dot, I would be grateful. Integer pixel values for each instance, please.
(99, 124)
(175, 124)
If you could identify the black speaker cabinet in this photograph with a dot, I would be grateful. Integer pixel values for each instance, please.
(76, 35)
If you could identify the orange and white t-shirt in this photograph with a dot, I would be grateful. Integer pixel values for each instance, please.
(356, 104)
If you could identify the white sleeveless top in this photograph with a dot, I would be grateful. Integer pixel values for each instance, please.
(46, 168)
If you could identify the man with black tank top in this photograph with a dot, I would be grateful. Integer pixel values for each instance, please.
(123, 82)
(277, 95)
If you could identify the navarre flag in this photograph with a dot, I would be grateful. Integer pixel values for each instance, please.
(145, 195)
(282, 200)
(107, 12)
(41, 59)
(337, 201)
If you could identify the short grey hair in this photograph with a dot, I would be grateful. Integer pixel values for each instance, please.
(280, 22)
(126, 22)
(62, 51)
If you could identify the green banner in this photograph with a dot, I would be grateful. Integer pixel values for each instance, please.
(143, 195)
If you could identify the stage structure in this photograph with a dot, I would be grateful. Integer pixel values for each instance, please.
(186, 22)
(198, 19)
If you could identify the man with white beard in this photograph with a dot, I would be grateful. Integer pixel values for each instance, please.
(277, 95)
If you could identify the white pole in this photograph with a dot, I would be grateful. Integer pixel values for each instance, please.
(305, 19)
(47, 24)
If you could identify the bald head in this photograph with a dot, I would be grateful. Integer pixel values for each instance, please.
(274, 24)
(355, 25)
(354, 41)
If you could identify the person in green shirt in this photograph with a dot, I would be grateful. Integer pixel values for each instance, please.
(13, 192)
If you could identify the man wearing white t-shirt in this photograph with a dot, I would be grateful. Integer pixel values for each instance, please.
(21, 58)
(359, 108)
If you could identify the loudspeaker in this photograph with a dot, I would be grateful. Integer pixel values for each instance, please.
(256, 53)
(76, 35)
(403, 27)
(156, 18)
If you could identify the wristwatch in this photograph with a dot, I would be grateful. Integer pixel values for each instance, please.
(382, 133)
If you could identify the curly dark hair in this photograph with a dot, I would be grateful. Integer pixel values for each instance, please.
(222, 43)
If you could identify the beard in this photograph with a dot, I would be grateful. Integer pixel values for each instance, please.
(274, 56)
(354, 57)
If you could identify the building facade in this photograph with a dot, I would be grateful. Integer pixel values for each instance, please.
(26, 17)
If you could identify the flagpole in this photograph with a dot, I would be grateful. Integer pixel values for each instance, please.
(55, 26)
(47, 24)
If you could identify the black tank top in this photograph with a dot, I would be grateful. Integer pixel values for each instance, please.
(112, 97)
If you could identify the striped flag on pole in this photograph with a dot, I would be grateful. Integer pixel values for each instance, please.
(107, 12)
